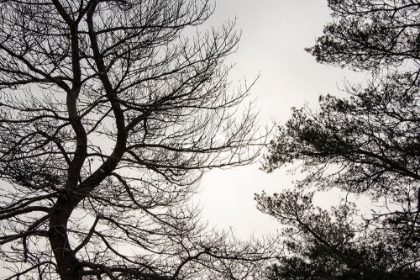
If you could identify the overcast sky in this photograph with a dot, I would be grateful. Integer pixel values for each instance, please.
(274, 35)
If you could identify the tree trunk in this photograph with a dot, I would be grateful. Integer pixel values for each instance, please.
(68, 266)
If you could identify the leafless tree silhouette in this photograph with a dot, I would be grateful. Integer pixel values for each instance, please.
(108, 119)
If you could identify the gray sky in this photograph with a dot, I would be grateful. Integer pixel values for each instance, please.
(274, 35)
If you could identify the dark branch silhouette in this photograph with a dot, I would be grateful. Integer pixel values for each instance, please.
(108, 119)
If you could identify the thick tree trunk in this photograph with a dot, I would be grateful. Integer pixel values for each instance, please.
(68, 266)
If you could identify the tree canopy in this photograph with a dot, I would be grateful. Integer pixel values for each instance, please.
(366, 143)
(368, 35)
(109, 117)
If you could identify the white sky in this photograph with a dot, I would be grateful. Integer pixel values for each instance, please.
(274, 35)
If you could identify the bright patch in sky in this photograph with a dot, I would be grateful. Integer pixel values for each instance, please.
(274, 35)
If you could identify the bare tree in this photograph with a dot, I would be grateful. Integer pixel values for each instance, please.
(109, 117)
